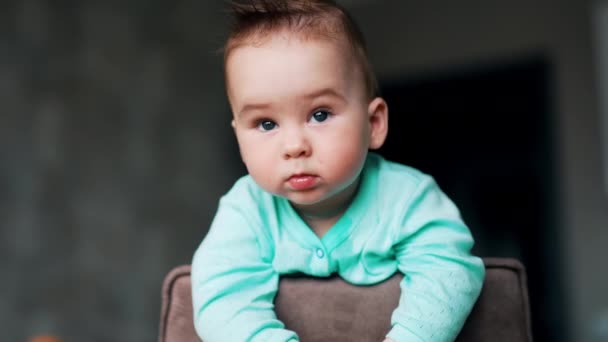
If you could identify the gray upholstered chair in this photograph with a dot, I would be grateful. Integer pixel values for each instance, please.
(333, 310)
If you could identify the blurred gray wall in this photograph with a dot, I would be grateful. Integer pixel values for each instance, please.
(115, 145)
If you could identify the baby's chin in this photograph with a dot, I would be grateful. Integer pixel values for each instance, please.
(303, 200)
(315, 197)
(307, 198)
(312, 196)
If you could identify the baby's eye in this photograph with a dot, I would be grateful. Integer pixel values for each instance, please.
(320, 115)
(266, 125)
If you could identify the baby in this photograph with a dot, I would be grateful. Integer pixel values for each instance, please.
(316, 201)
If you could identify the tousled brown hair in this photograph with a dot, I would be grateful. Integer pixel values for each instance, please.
(310, 19)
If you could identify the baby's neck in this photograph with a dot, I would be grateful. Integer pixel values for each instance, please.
(321, 217)
(320, 226)
(321, 222)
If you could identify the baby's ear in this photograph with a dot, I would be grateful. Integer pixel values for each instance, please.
(378, 122)
(233, 124)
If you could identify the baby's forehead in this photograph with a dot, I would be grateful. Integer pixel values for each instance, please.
(290, 45)
(286, 70)
(282, 46)
(295, 37)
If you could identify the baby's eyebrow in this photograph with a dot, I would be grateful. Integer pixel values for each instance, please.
(325, 92)
(253, 107)
(328, 92)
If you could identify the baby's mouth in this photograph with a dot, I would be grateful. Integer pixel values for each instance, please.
(302, 181)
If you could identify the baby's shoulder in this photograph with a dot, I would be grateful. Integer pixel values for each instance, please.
(246, 193)
(248, 200)
(398, 179)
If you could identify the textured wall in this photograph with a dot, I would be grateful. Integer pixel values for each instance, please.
(115, 145)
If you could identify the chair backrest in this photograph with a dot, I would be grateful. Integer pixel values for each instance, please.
(322, 309)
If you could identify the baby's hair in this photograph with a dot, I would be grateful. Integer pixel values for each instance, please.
(309, 19)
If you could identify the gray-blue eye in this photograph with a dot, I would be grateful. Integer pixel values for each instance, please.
(320, 115)
(267, 125)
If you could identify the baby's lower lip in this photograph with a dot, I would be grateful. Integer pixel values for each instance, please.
(302, 182)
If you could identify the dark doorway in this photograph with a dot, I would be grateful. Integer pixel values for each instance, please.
(484, 133)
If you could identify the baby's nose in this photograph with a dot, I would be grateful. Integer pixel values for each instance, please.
(296, 145)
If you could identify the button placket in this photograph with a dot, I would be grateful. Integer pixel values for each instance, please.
(320, 253)
(319, 265)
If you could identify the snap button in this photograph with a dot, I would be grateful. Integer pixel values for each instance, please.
(320, 253)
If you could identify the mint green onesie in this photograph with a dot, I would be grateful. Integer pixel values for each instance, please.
(399, 221)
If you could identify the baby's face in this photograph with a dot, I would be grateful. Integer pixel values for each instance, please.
(301, 117)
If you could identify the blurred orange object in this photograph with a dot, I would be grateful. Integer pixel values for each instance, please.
(44, 338)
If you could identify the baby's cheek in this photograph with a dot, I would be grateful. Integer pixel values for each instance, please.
(347, 162)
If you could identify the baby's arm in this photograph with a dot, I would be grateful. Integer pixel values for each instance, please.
(442, 280)
(233, 285)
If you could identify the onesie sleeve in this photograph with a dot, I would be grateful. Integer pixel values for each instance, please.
(442, 280)
(234, 284)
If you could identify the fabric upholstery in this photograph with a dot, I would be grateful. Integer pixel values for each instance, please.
(329, 309)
